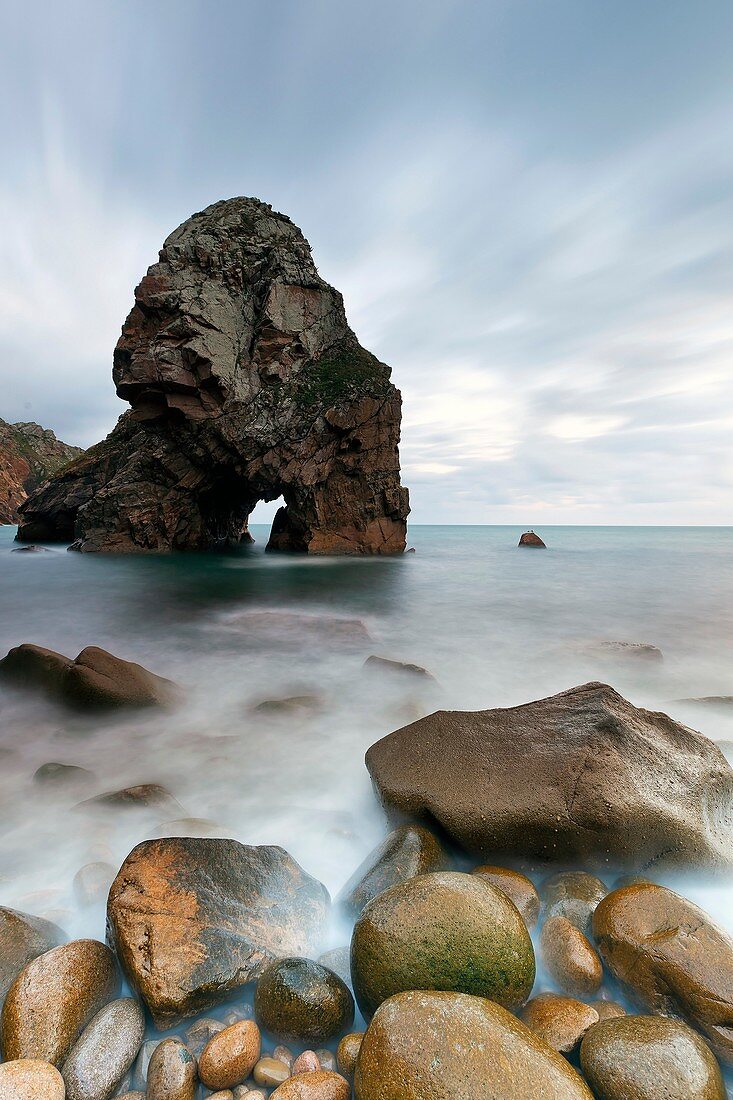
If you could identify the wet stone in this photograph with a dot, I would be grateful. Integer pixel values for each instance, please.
(319, 1085)
(326, 1058)
(575, 896)
(22, 939)
(560, 1021)
(54, 997)
(230, 1056)
(270, 1072)
(30, 1079)
(62, 775)
(105, 1051)
(306, 1062)
(649, 1058)
(92, 882)
(339, 960)
(297, 999)
(517, 887)
(347, 1052)
(570, 958)
(408, 851)
(198, 1033)
(444, 930)
(172, 1072)
(608, 1010)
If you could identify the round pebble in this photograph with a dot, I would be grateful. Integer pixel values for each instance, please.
(517, 887)
(283, 1054)
(222, 1094)
(570, 958)
(320, 1085)
(30, 1079)
(270, 1072)
(306, 1062)
(172, 1072)
(104, 1051)
(230, 1056)
(608, 1010)
(347, 1052)
(326, 1058)
(573, 895)
(301, 1000)
(198, 1033)
(560, 1021)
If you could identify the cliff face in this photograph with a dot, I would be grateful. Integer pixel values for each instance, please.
(246, 383)
(28, 455)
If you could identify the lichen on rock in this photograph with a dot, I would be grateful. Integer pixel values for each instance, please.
(246, 384)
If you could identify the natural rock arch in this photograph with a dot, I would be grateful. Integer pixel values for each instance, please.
(246, 383)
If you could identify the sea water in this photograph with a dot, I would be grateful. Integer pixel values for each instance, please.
(494, 624)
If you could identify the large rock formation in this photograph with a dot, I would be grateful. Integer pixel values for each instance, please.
(28, 455)
(581, 774)
(246, 383)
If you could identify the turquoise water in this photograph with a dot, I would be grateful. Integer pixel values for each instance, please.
(496, 625)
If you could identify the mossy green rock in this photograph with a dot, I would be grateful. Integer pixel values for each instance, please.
(446, 931)
(449, 1046)
(299, 1000)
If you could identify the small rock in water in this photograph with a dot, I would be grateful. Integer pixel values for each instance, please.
(198, 1033)
(140, 1069)
(32, 549)
(307, 1062)
(54, 997)
(622, 651)
(246, 904)
(143, 796)
(291, 704)
(560, 1021)
(105, 1051)
(529, 538)
(92, 882)
(319, 1085)
(608, 1010)
(440, 1044)
(66, 775)
(30, 1079)
(171, 1073)
(222, 1094)
(517, 887)
(347, 1052)
(326, 1058)
(189, 826)
(230, 1056)
(290, 629)
(284, 1054)
(649, 1058)
(573, 895)
(398, 668)
(408, 851)
(671, 957)
(132, 1096)
(22, 939)
(570, 958)
(443, 929)
(270, 1072)
(301, 1000)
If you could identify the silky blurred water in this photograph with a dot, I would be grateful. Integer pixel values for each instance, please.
(496, 626)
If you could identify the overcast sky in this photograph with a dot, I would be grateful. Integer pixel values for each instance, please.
(527, 205)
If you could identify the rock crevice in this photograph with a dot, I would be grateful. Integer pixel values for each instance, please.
(246, 384)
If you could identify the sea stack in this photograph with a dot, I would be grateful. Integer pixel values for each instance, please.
(529, 538)
(28, 455)
(246, 383)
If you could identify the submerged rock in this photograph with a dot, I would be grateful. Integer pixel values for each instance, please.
(300, 1000)
(424, 1045)
(408, 851)
(143, 796)
(94, 680)
(30, 1079)
(105, 1051)
(398, 668)
(529, 538)
(671, 957)
(22, 939)
(194, 919)
(246, 383)
(54, 997)
(649, 1058)
(581, 774)
(441, 931)
(62, 775)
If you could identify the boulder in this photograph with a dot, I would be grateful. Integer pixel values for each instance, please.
(649, 1058)
(54, 997)
(245, 383)
(30, 1079)
(95, 680)
(529, 538)
(583, 774)
(300, 1000)
(105, 1051)
(425, 1045)
(194, 919)
(408, 851)
(444, 931)
(673, 960)
(22, 938)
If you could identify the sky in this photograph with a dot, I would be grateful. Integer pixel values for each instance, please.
(528, 207)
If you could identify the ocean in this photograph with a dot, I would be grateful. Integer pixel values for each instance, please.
(495, 625)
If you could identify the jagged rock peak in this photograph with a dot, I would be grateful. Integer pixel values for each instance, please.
(28, 455)
(246, 383)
